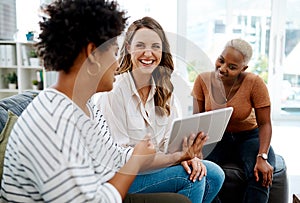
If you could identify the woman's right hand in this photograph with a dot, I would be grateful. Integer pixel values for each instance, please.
(144, 153)
(192, 146)
(142, 156)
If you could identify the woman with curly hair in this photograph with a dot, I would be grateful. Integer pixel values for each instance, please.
(60, 149)
(142, 101)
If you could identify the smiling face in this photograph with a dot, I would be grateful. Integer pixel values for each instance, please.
(230, 64)
(145, 50)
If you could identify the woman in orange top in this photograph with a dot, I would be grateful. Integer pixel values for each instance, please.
(248, 134)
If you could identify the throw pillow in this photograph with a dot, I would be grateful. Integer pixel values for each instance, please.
(11, 119)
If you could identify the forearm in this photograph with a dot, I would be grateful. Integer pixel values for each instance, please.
(123, 179)
(142, 156)
(162, 160)
(265, 135)
(265, 128)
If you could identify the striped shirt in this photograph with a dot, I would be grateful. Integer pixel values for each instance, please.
(56, 153)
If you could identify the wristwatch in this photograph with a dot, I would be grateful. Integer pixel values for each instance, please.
(264, 156)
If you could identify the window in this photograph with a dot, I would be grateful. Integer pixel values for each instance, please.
(197, 31)
(8, 24)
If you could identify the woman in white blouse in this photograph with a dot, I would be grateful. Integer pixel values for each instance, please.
(142, 102)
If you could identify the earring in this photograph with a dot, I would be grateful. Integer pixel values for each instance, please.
(92, 71)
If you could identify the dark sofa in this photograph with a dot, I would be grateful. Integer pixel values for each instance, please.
(234, 185)
(232, 190)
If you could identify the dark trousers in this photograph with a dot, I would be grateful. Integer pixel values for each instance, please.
(242, 148)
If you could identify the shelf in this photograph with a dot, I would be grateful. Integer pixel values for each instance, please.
(9, 67)
(32, 67)
(7, 42)
(15, 57)
(6, 90)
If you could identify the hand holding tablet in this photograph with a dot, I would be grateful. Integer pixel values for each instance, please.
(192, 146)
(213, 123)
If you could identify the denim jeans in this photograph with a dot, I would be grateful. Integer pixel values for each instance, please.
(242, 148)
(175, 179)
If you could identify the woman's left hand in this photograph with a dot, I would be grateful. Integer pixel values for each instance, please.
(266, 170)
(198, 168)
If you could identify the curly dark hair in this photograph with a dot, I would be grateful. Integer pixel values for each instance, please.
(69, 25)
(162, 73)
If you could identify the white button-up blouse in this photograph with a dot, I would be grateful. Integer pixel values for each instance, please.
(128, 119)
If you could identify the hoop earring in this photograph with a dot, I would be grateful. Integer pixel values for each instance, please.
(95, 72)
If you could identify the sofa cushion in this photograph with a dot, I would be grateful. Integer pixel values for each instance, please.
(16, 104)
(4, 135)
(280, 186)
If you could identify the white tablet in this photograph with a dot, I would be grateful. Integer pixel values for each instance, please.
(212, 122)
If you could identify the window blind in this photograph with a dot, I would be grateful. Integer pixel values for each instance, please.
(8, 24)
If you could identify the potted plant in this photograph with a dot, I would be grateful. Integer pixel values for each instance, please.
(30, 35)
(35, 84)
(33, 58)
(12, 79)
(32, 54)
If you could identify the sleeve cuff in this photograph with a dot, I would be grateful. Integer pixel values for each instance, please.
(129, 153)
(115, 193)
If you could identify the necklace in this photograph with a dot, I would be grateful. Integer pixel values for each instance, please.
(223, 91)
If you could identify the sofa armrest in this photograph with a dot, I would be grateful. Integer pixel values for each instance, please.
(16, 104)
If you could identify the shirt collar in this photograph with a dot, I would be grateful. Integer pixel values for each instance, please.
(134, 90)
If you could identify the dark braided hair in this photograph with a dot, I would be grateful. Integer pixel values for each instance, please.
(69, 25)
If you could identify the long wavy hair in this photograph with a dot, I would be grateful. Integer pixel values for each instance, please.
(162, 73)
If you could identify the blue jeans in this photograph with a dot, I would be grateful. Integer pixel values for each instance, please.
(242, 148)
(175, 179)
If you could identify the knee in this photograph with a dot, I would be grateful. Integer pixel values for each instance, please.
(214, 173)
(218, 177)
